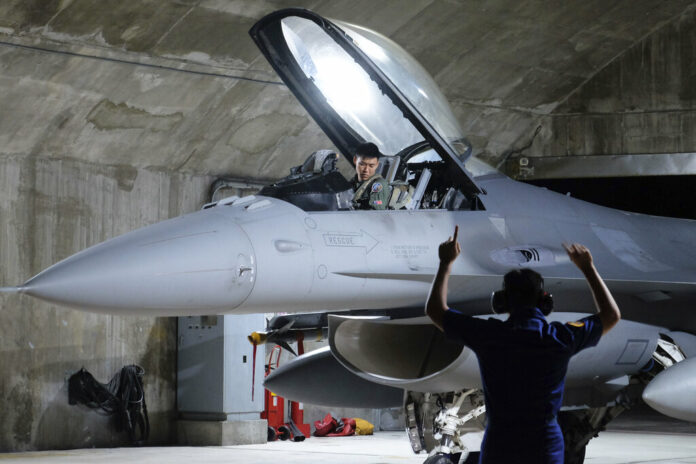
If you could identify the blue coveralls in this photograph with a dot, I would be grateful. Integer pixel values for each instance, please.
(523, 362)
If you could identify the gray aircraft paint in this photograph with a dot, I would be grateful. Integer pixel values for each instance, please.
(233, 258)
(317, 378)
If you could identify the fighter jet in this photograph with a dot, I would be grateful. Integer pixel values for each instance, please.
(299, 247)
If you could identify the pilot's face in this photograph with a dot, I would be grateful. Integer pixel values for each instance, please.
(365, 167)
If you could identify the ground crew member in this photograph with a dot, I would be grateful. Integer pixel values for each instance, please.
(523, 360)
(371, 190)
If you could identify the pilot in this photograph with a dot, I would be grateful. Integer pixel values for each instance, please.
(523, 360)
(371, 190)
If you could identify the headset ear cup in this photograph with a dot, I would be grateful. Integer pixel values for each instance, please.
(546, 303)
(499, 302)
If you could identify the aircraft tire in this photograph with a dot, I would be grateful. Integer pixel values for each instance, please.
(439, 459)
(272, 435)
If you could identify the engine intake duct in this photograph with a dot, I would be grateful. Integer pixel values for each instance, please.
(411, 353)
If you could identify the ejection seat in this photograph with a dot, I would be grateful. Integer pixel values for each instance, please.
(454, 199)
(401, 191)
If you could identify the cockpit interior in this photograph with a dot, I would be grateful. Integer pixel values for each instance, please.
(360, 86)
(417, 176)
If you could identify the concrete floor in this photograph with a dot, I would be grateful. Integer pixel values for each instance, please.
(382, 448)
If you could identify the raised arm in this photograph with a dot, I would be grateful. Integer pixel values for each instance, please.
(607, 308)
(436, 305)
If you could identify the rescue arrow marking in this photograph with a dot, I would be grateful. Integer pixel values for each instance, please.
(363, 239)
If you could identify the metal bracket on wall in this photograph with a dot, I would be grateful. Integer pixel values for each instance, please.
(594, 166)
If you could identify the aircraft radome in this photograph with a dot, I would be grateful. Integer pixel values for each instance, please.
(298, 247)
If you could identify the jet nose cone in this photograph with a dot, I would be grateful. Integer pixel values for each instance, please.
(201, 263)
(671, 392)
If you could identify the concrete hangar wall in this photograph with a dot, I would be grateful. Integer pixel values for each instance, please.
(115, 115)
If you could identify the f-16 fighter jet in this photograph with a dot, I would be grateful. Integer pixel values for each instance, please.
(299, 247)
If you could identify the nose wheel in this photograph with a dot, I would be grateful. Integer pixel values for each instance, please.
(439, 458)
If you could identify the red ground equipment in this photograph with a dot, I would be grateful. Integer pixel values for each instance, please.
(274, 408)
(273, 405)
(296, 408)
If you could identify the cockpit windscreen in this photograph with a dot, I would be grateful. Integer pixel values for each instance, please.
(412, 80)
(348, 88)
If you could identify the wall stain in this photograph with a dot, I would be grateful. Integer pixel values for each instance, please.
(107, 115)
(28, 14)
(160, 350)
(125, 176)
(21, 397)
(26, 216)
(263, 132)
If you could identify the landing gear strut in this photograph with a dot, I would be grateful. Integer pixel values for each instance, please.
(438, 423)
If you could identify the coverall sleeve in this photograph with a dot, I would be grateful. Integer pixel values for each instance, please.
(585, 332)
(464, 329)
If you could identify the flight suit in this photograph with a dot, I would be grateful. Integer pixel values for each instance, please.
(373, 193)
(523, 363)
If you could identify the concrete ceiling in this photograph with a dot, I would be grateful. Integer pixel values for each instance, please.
(179, 85)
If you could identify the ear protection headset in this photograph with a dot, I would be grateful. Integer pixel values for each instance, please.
(501, 305)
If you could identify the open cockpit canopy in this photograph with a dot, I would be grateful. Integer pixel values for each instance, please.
(360, 86)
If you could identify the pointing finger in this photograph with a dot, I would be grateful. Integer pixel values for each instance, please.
(456, 232)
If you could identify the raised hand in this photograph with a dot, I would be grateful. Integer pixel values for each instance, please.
(580, 256)
(607, 308)
(450, 249)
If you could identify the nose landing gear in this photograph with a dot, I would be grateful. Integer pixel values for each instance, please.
(440, 423)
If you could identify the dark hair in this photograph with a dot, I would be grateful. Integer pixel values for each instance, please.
(367, 150)
(523, 287)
